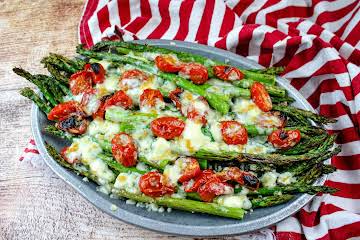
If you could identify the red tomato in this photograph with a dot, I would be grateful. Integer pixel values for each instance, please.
(81, 82)
(119, 99)
(190, 168)
(151, 184)
(228, 73)
(62, 110)
(205, 176)
(233, 132)
(261, 97)
(212, 188)
(134, 74)
(174, 96)
(284, 139)
(167, 127)
(196, 72)
(239, 176)
(124, 150)
(167, 63)
(197, 114)
(149, 97)
(64, 156)
(100, 113)
(73, 123)
(98, 70)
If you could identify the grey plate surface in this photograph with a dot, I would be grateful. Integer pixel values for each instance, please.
(176, 222)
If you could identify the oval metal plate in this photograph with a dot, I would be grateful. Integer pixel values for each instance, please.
(176, 222)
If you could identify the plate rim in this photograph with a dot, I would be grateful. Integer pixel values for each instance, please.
(171, 228)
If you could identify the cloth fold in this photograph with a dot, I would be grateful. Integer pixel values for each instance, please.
(317, 41)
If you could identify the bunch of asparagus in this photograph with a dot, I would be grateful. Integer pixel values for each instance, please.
(304, 161)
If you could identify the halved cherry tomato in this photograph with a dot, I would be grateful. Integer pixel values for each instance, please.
(89, 96)
(74, 123)
(152, 184)
(233, 132)
(167, 63)
(174, 96)
(149, 97)
(134, 74)
(63, 110)
(124, 150)
(121, 99)
(167, 127)
(205, 176)
(98, 70)
(100, 113)
(239, 176)
(64, 156)
(261, 97)
(212, 188)
(228, 73)
(190, 168)
(196, 72)
(284, 139)
(196, 112)
(81, 81)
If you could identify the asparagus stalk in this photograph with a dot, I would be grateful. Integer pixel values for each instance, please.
(186, 205)
(52, 130)
(295, 188)
(272, 90)
(270, 200)
(65, 64)
(42, 104)
(43, 88)
(258, 75)
(303, 115)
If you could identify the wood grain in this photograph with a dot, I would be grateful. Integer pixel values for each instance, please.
(34, 202)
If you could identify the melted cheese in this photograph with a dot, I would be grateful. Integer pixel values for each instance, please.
(128, 182)
(160, 150)
(236, 201)
(172, 173)
(268, 179)
(192, 138)
(286, 178)
(99, 126)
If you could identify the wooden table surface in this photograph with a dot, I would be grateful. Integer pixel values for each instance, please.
(34, 202)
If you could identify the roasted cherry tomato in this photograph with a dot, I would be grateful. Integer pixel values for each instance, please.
(134, 74)
(63, 110)
(190, 168)
(152, 184)
(239, 176)
(81, 82)
(174, 96)
(74, 123)
(204, 176)
(89, 102)
(212, 188)
(228, 73)
(100, 113)
(149, 97)
(98, 70)
(261, 97)
(233, 132)
(167, 127)
(198, 110)
(196, 72)
(284, 139)
(124, 150)
(65, 157)
(121, 99)
(167, 63)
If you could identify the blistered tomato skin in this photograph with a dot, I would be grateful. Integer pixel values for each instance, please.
(212, 188)
(167, 63)
(167, 127)
(284, 139)
(120, 99)
(151, 184)
(73, 123)
(174, 96)
(233, 132)
(190, 170)
(81, 82)
(196, 72)
(201, 179)
(241, 177)
(98, 70)
(149, 97)
(124, 150)
(228, 73)
(261, 97)
(134, 74)
(63, 110)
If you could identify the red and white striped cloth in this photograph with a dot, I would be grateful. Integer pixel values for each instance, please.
(317, 41)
